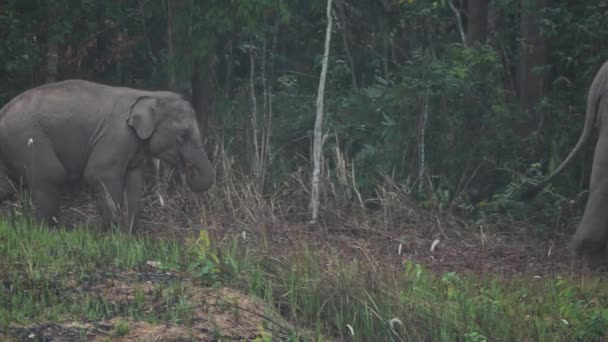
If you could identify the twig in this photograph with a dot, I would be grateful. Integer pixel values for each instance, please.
(421, 143)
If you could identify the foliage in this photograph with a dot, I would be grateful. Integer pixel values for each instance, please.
(467, 110)
(393, 61)
(205, 262)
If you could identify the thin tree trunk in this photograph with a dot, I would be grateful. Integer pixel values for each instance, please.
(275, 35)
(170, 46)
(52, 61)
(318, 130)
(202, 91)
(261, 153)
(349, 56)
(254, 112)
(459, 22)
(477, 23)
(228, 75)
(385, 55)
(422, 142)
(533, 54)
(52, 53)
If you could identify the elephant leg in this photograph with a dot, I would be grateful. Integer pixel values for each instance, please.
(7, 188)
(134, 186)
(110, 201)
(592, 233)
(45, 175)
(45, 199)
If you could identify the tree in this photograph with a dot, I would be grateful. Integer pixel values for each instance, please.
(172, 82)
(477, 21)
(533, 55)
(318, 131)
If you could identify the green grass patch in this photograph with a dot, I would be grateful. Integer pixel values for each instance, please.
(48, 274)
(350, 300)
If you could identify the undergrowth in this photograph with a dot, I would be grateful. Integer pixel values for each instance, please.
(356, 301)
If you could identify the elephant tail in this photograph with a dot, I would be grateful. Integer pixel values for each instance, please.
(593, 101)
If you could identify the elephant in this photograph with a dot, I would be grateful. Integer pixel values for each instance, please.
(591, 236)
(79, 131)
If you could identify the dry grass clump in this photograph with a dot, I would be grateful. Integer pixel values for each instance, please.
(390, 225)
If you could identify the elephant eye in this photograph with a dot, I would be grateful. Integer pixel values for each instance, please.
(183, 137)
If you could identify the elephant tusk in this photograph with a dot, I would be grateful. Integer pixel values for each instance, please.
(434, 244)
(160, 198)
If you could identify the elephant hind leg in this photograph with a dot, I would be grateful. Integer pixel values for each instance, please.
(46, 177)
(592, 233)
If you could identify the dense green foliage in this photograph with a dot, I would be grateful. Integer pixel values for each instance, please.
(397, 69)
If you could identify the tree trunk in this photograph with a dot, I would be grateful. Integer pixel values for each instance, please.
(459, 23)
(477, 21)
(349, 56)
(170, 47)
(318, 130)
(52, 61)
(52, 53)
(202, 91)
(533, 55)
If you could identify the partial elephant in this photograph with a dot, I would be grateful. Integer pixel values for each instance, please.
(81, 131)
(591, 235)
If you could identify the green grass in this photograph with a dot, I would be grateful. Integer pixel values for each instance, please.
(44, 273)
(332, 295)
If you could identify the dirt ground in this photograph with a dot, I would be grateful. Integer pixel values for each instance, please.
(439, 241)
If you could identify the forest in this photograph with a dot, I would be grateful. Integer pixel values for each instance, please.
(369, 157)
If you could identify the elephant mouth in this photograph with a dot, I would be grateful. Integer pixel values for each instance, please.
(186, 165)
(198, 170)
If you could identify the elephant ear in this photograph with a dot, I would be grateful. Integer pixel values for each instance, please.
(142, 116)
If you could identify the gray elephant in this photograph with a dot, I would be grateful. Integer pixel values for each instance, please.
(77, 130)
(591, 235)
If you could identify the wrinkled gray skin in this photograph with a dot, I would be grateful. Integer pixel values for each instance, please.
(78, 130)
(592, 233)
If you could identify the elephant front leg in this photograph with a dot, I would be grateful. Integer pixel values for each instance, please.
(7, 188)
(45, 202)
(110, 200)
(134, 186)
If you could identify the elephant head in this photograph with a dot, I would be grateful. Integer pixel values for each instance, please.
(168, 124)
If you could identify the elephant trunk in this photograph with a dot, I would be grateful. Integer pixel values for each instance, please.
(200, 174)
